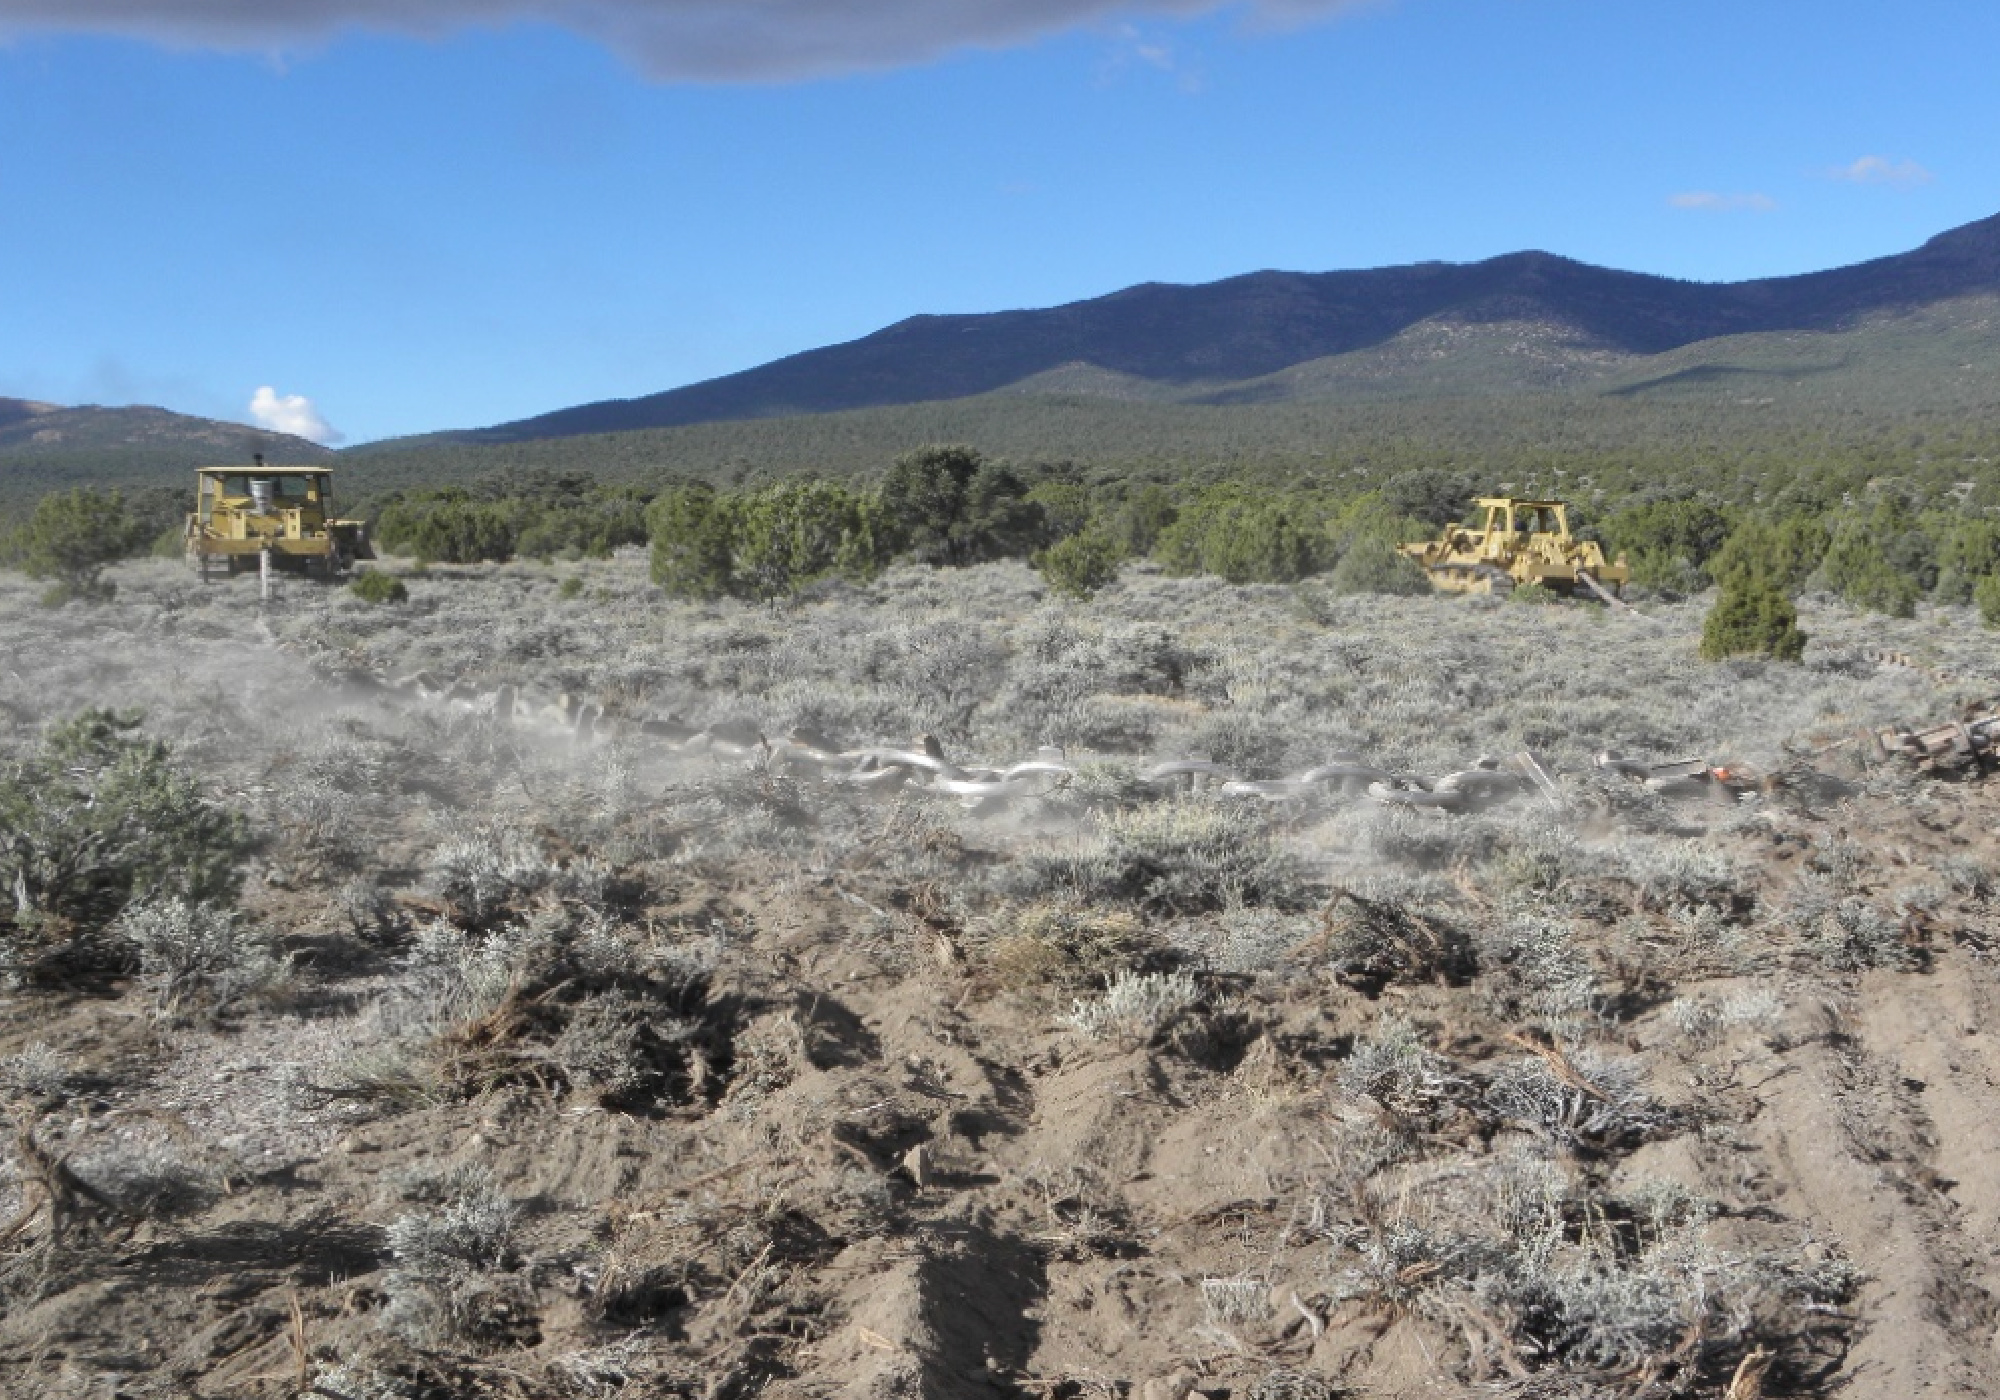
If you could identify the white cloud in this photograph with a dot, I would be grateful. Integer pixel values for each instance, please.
(698, 40)
(1710, 200)
(293, 414)
(1880, 170)
(1133, 48)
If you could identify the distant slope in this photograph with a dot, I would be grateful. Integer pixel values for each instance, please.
(14, 411)
(46, 448)
(1213, 343)
(1901, 394)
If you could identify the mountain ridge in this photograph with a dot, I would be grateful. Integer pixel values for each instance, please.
(1205, 339)
(48, 447)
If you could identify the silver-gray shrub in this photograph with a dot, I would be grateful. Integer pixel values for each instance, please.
(450, 977)
(356, 1380)
(1231, 1302)
(1109, 783)
(724, 816)
(1405, 836)
(1967, 877)
(1704, 1020)
(1535, 968)
(1590, 1308)
(1063, 674)
(1841, 930)
(429, 1182)
(1669, 873)
(448, 1260)
(486, 871)
(204, 957)
(1136, 1006)
(1407, 1263)
(1500, 1234)
(1591, 1304)
(38, 1071)
(149, 1165)
(1285, 1384)
(1243, 941)
(1185, 855)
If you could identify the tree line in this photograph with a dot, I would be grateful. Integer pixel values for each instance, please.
(1884, 546)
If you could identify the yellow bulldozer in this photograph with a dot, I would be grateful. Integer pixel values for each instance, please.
(1520, 542)
(246, 517)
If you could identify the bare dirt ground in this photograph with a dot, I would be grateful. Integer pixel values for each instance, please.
(619, 1068)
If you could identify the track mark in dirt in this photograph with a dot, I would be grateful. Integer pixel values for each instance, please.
(1858, 1154)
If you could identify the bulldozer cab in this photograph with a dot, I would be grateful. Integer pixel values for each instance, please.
(262, 492)
(1505, 515)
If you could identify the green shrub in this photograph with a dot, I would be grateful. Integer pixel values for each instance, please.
(948, 504)
(1065, 507)
(767, 543)
(1859, 570)
(692, 542)
(1434, 497)
(1143, 516)
(1373, 565)
(787, 536)
(1668, 542)
(170, 542)
(536, 515)
(1244, 537)
(1786, 551)
(72, 536)
(98, 819)
(1968, 553)
(1987, 596)
(1081, 564)
(1752, 617)
(570, 588)
(380, 588)
(448, 526)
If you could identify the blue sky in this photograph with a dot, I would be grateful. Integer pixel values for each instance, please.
(508, 206)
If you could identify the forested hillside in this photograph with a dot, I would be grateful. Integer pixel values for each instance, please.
(46, 448)
(1528, 320)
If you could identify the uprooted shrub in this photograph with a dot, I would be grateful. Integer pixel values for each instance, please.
(1587, 1100)
(566, 1005)
(1370, 943)
(1412, 1085)
(1050, 946)
(97, 819)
